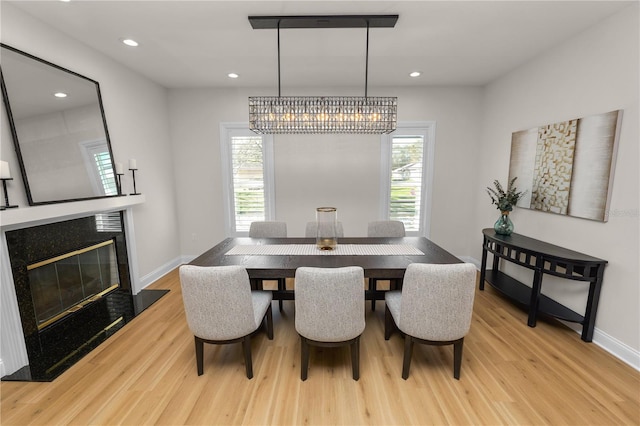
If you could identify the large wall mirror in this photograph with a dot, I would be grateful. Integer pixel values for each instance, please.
(59, 130)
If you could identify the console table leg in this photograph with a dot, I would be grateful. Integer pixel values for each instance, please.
(592, 308)
(535, 297)
(483, 267)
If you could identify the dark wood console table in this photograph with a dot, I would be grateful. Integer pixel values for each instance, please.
(542, 258)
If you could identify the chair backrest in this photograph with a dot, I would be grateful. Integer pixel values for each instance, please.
(329, 303)
(437, 300)
(312, 229)
(217, 301)
(386, 229)
(268, 229)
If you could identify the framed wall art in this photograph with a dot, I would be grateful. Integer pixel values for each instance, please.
(567, 167)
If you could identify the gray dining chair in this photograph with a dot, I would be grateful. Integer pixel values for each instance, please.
(384, 229)
(434, 307)
(311, 230)
(270, 229)
(221, 308)
(329, 306)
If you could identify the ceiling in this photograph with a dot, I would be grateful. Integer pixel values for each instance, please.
(193, 44)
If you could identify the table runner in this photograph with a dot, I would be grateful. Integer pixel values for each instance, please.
(312, 250)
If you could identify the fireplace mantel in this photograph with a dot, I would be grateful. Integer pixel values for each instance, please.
(23, 217)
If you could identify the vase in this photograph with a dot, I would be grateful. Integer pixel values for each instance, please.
(503, 225)
(327, 220)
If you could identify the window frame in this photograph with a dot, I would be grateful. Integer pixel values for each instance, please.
(426, 129)
(228, 131)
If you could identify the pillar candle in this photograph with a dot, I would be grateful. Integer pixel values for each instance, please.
(5, 173)
(132, 164)
(119, 169)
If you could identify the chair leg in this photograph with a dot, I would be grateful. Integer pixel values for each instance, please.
(408, 349)
(199, 354)
(304, 358)
(373, 286)
(457, 358)
(389, 323)
(281, 287)
(246, 346)
(355, 358)
(269, 322)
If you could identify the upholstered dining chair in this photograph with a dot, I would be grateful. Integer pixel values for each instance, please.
(384, 229)
(311, 230)
(434, 307)
(329, 306)
(270, 229)
(221, 308)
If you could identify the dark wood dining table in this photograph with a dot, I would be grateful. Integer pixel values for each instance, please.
(271, 267)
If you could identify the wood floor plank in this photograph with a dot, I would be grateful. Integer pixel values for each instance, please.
(511, 374)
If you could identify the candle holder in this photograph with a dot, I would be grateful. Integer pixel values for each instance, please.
(119, 183)
(133, 174)
(6, 195)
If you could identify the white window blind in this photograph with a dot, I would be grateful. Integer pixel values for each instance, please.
(105, 172)
(108, 222)
(247, 169)
(407, 153)
(248, 180)
(407, 176)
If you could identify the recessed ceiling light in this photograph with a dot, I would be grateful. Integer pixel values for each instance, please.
(232, 75)
(415, 74)
(130, 42)
(60, 95)
(65, 1)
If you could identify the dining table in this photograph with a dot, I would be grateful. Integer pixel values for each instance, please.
(276, 258)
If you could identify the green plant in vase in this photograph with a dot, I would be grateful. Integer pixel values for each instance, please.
(504, 200)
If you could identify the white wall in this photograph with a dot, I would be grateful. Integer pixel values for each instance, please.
(354, 159)
(595, 72)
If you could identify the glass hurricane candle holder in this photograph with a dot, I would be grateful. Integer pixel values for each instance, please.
(326, 234)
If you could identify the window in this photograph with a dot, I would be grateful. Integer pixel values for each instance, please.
(99, 167)
(247, 169)
(407, 171)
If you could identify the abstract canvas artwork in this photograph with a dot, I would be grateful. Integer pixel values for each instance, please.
(567, 167)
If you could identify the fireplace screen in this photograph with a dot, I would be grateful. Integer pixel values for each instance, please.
(65, 284)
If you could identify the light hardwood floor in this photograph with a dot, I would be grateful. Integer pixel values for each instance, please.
(511, 374)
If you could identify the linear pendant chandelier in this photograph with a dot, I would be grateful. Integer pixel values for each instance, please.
(323, 114)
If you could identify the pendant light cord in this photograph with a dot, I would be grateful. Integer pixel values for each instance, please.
(366, 68)
(278, 58)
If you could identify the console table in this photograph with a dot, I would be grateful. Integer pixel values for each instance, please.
(542, 258)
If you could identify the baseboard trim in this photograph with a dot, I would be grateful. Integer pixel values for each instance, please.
(615, 347)
(161, 271)
(2, 372)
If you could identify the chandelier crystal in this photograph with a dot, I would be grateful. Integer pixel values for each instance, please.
(322, 114)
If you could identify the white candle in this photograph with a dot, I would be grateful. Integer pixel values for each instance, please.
(5, 173)
(119, 169)
(132, 164)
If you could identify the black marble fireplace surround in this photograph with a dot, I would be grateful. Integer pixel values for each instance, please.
(56, 347)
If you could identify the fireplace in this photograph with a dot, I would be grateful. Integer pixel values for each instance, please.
(73, 289)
